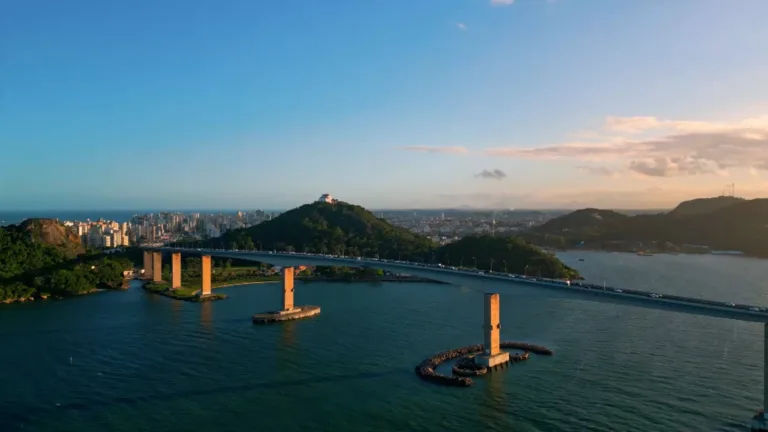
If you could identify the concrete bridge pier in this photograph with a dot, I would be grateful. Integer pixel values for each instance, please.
(176, 270)
(287, 282)
(147, 264)
(206, 276)
(493, 355)
(759, 422)
(289, 311)
(157, 266)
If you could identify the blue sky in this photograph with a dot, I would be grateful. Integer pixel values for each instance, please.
(385, 103)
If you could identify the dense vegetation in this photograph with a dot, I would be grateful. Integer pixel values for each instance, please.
(343, 228)
(508, 254)
(338, 229)
(40, 258)
(723, 223)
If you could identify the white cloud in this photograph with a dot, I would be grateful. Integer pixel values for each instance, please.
(436, 149)
(677, 148)
(634, 125)
(461, 26)
(502, 2)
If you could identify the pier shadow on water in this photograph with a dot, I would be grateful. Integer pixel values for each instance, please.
(206, 316)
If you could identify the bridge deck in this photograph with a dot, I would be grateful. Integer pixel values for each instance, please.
(588, 292)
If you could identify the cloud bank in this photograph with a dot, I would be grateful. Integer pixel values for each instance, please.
(652, 147)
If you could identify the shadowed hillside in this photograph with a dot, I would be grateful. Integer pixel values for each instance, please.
(723, 223)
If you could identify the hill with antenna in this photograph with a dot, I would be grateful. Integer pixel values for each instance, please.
(719, 223)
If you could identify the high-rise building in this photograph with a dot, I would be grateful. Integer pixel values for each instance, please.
(95, 237)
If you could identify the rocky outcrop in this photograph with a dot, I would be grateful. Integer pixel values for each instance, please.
(53, 233)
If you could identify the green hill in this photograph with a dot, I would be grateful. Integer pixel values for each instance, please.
(509, 254)
(345, 228)
(43, 257)
(586, 223)
(723, 223)
(704, 205)
(338, 228)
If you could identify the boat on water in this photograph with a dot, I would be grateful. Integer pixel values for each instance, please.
(581, 259)
(643, 253)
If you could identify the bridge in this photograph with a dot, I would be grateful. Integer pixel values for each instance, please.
(487, 281)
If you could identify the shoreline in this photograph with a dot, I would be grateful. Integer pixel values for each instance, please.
(609, 251)
(38, 297)
(173, 295)
(312, 280)
(243, 283)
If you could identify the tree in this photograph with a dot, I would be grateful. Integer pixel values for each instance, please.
(110, 273)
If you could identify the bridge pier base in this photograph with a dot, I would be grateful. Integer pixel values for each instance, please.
(157, 266)
(205, 283)
(759, 422)
(176, 270)
(493, 355)
(289, 311)
(147, 264)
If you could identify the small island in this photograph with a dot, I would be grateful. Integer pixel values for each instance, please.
(184, 294)
(225, 273)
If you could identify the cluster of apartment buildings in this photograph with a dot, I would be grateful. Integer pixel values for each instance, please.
(101, 233)
(446, 226)
(162, 227)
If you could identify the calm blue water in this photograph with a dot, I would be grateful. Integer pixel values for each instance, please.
(130, 361)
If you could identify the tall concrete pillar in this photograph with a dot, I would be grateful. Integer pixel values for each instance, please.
(147, 263)
(765, 370)
(206, 276)
(287, 288)
(176, 270)
(491, 324)
(157, 266)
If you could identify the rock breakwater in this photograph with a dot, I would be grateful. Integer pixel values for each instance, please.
(466, 366)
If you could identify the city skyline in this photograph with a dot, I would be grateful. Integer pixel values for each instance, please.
(534, 104)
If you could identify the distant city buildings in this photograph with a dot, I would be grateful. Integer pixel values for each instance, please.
(442, 226)
(162, 227)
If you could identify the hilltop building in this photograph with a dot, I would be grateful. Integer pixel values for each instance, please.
(327, 198)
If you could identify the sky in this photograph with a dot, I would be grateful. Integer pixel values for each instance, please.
(209, 104)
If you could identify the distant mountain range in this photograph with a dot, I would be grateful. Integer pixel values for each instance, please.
(721, 223)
